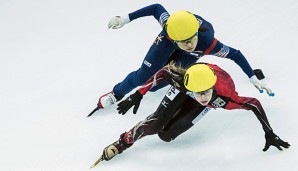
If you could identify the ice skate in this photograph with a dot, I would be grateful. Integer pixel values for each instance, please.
(107, 100)
(114, 149)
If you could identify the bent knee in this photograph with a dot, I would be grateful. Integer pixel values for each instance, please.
(166, 136)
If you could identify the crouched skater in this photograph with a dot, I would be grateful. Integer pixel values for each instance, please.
(194, 92)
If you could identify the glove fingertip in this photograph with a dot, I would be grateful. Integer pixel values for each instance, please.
(261, 91)
(124, 111)
(120, 111)
(271, 94)
(110, 25)
(135, 110)
(265, 148)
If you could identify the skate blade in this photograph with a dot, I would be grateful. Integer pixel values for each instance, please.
(97, 162)
(93, 111)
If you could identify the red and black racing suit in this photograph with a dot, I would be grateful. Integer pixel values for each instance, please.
(178, 110)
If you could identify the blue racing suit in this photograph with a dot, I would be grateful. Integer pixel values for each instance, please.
(165, 50)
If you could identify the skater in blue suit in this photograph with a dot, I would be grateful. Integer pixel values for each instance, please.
(185, 38)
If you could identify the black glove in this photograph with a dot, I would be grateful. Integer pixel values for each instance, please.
(132, 100)
(272, 139)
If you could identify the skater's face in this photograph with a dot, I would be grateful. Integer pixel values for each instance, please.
(204, 97)
(188, 45)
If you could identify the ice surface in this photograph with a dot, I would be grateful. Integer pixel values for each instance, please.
(58, 57)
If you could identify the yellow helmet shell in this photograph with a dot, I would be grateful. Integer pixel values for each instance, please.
(182, 25)
(199, 77)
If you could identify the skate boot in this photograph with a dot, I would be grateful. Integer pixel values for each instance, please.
(107, 100)
(116, 148)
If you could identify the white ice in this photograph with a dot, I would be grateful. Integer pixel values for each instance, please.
(58, 57)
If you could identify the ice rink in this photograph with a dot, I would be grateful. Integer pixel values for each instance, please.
(58, 57)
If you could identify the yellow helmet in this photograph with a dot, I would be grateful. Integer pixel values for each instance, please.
(182, 25)
(199, 77)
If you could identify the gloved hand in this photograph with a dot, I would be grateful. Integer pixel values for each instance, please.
(272, 139)
(260, 85)
(132, 100)
(118, 22)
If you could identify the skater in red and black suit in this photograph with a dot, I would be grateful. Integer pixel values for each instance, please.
(194, 92)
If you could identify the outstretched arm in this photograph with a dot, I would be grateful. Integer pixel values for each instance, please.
(254, 105)
(221, 50)
(155, 10)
